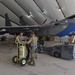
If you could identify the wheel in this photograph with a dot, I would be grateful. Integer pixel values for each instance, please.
(23, 62)
(57, 54)
(14, 59)
(40, 50)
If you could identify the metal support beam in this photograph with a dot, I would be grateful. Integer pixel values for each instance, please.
(26, 11)
(42, 11)
(60, 8)
(9, 8)
(37, 5)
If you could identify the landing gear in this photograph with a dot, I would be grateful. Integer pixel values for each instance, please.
(57, 54)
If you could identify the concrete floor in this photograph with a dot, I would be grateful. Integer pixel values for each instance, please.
(45, 64)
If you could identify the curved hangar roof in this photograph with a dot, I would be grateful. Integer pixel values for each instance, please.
(35, 11)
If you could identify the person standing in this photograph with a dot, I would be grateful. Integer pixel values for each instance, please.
(20, 38)
(33, 55)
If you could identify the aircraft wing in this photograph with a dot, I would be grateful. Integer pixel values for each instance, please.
(13, 30)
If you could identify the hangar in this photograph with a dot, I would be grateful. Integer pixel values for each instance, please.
(51, 20)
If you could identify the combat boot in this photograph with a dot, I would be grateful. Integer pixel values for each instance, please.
(32, 63)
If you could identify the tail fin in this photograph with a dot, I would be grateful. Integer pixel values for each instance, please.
(23, 23)
(7, 20)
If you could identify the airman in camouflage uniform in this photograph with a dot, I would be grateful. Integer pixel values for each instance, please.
(33, 55)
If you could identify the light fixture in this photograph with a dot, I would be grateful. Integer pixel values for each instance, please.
(44, 11)
(59, 9)
(30, 15)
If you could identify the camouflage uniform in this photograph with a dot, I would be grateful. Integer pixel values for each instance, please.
(33, 53)
(19, 40)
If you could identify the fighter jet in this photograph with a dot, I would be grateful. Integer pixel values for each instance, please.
(51, 29)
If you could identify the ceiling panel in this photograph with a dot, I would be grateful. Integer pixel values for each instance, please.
(12, 16)
(30, 6)
(40, 10)
(51, 8)
(13, 6)
(68, 7)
